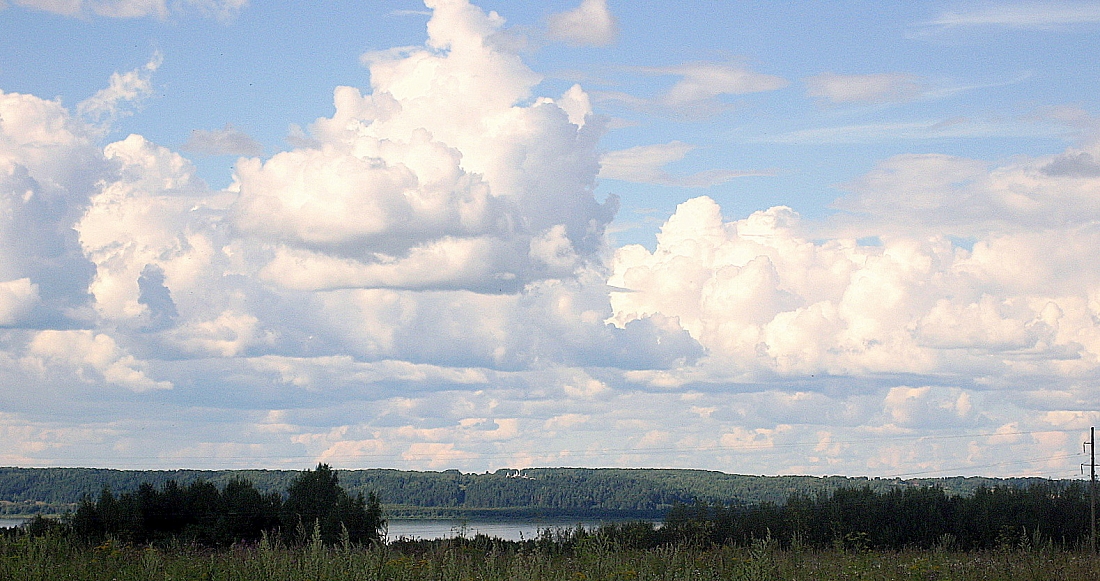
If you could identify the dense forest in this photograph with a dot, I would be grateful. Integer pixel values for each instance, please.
(1050, 513)
(548, 492)
(314, 507)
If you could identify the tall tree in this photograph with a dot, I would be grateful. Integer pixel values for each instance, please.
(316, 500)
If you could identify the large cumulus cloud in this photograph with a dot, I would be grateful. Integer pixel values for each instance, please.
(448, 178)
(49, 167)
(438, 235)
(761, 295)
(937, 301)
(424, 281)
(951, 297)
(447, 175)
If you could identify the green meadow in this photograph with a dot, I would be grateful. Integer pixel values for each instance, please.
(27, 558)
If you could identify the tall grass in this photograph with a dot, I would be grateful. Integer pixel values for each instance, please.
(26, 558)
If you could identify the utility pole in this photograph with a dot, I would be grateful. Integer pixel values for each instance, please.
(1092, 487)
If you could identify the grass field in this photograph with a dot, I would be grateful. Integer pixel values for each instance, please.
(28, 558)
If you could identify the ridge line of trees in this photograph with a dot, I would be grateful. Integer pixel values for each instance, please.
(509, 494)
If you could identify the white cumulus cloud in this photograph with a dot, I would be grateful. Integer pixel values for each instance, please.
(447, 177)
(591, 23)
(423, 280)
(49, 167)
(963, 196)
(762, 297)
(93, 357)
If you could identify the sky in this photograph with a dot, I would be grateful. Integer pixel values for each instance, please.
(854, 238)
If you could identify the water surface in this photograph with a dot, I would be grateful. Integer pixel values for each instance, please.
(427, 529)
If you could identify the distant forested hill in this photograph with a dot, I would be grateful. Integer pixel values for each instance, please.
(546, 492)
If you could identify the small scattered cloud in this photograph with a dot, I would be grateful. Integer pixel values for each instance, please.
(129, 8)
(225, 141)
(223, 10)
(646, 164)
(873, 88)
(126, 91)
(590, 24)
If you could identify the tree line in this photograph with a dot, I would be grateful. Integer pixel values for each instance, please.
(316, 509)
(557, 492)
(1046, 514)
(201, 513)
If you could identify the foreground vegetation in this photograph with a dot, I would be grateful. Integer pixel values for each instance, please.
(27, 558)
(199, 531)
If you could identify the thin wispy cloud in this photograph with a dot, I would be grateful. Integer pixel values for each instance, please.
(871, 88)
(128, 9)
(647, 164)
(1021, 15)
(954, 128)
(699, 91)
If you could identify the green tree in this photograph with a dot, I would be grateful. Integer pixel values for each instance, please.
(316, 500)
(246, 513)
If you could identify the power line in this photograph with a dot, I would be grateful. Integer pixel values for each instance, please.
(1005, 463)
(1091, 445)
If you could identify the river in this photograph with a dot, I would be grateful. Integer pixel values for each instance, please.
(509, 531)
(440, 529)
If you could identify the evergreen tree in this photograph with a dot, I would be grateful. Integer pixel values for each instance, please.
(316, 500)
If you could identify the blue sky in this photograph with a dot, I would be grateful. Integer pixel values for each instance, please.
(823, 238)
